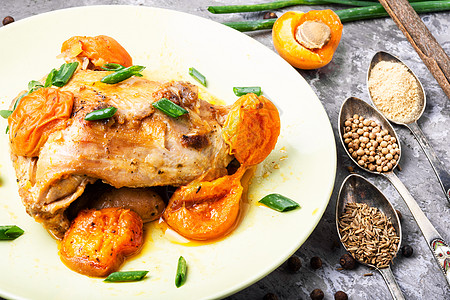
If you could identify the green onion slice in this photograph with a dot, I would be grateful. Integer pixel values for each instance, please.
(122, 74)
(10, 232)
(34, 85)
(5, 113)
(49, 79)
(126, 276)
(279, 202)
(63, 75)
(7, 129)
(112, 67)
(101, 114)
(18, 100)
(241, 91)
(180, 278)
(169, 108)
(197, 76)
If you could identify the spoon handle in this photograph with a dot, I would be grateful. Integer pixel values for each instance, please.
(438, 166)
(438, 246)
(392, 284)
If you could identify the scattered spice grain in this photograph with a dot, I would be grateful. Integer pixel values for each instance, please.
(315, 262)
(340, 295)
(270, 15)
(270, 296)
(395, 91)
(350, 169)
(347, 262)
(317, 294)
(294, 263)
(368, 234)
(368, 274)
(407, 251)
(7, 20)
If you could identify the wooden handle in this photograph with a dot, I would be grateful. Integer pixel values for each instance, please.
(421, 39)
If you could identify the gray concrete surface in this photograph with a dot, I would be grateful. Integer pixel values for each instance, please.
(417, 276)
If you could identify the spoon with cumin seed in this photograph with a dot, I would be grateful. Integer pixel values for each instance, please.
(438, 246)
(368, 225)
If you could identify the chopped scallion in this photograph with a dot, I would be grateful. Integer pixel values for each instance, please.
(113, 67)
(122, 74)
(10, 232)
(34, 85)
(126, 276)
(180, 277)
(197, 76)
(100, 114)
(241, 91)
(5, 113)
(63, 75)
(279, 202)
(169, 108)
(18, 100)
(49, 79)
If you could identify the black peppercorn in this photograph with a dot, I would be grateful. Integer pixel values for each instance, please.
(7, 20)
(270, 15)
(294, 263)
(317, 294)
(407, 251)
(399, 214)
(315, 262)
(347, 262)
(340, 295)
(270, 296)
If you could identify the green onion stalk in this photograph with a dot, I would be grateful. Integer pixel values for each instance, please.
(349, 15)
(280, 4)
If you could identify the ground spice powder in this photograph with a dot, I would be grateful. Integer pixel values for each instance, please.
(395, 91)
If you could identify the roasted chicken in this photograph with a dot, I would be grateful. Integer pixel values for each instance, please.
(69, 168)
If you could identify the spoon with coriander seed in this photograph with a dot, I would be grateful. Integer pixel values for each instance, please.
(368, 225)
(371, 142)
(398, 94)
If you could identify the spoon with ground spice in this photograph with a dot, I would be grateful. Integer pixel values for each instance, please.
(376, 149)
(369, 228)
(398, 94)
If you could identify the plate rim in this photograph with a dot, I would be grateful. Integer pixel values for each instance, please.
(320, 211)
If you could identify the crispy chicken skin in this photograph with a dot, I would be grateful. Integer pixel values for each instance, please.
(138, 147)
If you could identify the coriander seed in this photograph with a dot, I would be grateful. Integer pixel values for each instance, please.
(371, 146)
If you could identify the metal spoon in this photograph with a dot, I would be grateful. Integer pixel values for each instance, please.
(436, 243)
(356, 188)
(438, 167)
